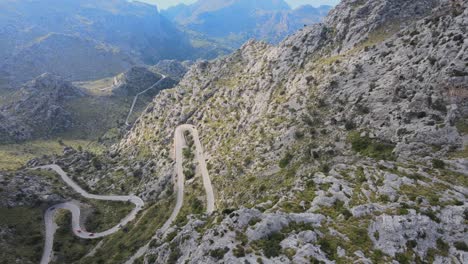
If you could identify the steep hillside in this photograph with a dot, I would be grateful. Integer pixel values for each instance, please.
(38, 111)
(343, 136)
(231, 23)
(346, 143)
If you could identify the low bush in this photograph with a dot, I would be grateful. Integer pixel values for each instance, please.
(372, 148)
(284, 162)
(438, 164)
(219, 253)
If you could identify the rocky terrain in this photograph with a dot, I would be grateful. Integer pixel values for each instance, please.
(345, 143)
(38, 110)
(359, 122)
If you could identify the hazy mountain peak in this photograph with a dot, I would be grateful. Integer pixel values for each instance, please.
(232, 22)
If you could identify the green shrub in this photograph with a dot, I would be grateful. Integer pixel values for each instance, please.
(284, 162)
(219, 253)
(462, 127)
(377, 256)
(325, 168)
(254, 221)
(271, 245)
(290, 253)
(349, 125)
(197, 206)
(189, 173)
(402, 258)
(329, 247)
(442, 247)
(298, 135)
(432, 215)
(371, 147)
(438, 164)
(411, 244)
(460, 245)
(402, 211)
(239, 251)
(174, 256)
(346, 213)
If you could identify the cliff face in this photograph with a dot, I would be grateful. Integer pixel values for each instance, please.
(360, 120)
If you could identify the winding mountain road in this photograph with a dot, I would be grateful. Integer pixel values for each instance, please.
(179, 144)
(51, 226)
(141, 93)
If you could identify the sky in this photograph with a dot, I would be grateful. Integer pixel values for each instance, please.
(163, 4)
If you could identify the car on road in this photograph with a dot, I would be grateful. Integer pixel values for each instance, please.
(91, 234)
(79, 231)
(52, 208)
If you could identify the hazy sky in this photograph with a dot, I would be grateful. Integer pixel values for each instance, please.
(162, 4)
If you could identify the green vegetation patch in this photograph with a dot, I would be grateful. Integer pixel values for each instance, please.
(462, 127)
(23, 240)
(118, 247)
(270, 245)
(13, 156)
(372, 148)
(106, 214)
(94, 116)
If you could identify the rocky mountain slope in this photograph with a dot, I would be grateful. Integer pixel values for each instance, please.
(38, 110)
(347, 141)
(231, 23)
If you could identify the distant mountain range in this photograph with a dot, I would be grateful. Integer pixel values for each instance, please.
(232, 22)
(83, 40)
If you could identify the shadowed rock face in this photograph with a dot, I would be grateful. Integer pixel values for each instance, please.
(38, 110)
